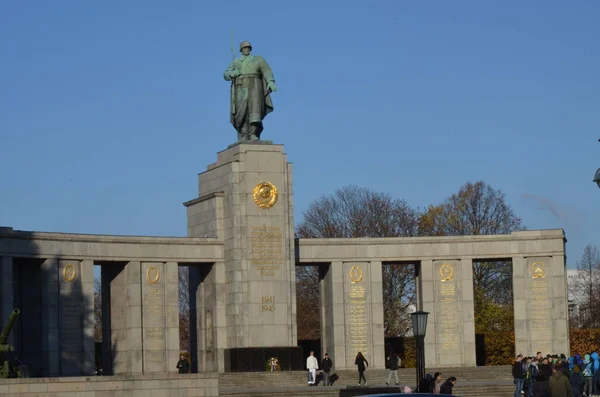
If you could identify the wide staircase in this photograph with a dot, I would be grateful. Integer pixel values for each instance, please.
(473, 381)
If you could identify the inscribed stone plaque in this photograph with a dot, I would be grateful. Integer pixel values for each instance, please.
(448, 307)
(357, 309)
(266, 249)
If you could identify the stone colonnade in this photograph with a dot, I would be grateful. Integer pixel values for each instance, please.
(242, 256)
(50, 277)
(351, 292)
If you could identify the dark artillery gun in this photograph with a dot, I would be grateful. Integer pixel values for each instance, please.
(6, 369)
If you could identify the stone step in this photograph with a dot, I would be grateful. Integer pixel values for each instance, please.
(494, 390)
(378, 376)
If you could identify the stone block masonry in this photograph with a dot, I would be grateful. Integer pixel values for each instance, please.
(164, 385)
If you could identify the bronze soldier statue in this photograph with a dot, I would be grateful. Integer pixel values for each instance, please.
(252, 82)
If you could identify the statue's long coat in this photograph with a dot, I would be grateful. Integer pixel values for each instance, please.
(250, 102)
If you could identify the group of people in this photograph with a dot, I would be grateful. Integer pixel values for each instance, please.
(435, 384)
(557, 376)
(312, 364)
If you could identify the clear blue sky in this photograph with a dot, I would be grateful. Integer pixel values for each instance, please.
(108, 110)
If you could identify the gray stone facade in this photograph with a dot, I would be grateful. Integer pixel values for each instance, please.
(242, 254)
(164, 385)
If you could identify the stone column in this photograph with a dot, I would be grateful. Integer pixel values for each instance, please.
(154, 319)
(332, 310)
(89, 321)
(426, 302)
(71, 316)
(450, 338)
(540, 304)
(468, 313)
(560, 305)
(126, 320)
(325, 346)
(6, 291)
(50, 329)
(172, 323)
(363, 313)
(376, 323)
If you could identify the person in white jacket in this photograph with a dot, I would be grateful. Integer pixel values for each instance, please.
(312, 364)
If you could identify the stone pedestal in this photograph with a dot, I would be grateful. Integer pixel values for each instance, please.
(245, 198)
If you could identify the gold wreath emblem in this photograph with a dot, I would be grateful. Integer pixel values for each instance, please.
(447, 272)
(538, 270)
(152, 275)
(356, 274)
(69, 273)
(265, 194)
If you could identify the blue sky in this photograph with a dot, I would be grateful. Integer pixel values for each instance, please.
(108, 110)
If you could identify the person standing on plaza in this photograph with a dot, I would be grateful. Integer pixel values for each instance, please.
(362, 364)
(394, 362)
(437, 382)
(518, 373)
(559, 384)
(326, 365)
(312, 364)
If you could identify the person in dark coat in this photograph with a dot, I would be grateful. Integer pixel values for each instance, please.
(393, 360)
(559, 383)
(541, 387)
(447, 386)
(326, 365)
(361, 361)
(576, 381)
(183, 365)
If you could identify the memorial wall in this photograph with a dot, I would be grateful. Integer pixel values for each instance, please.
(242, 256)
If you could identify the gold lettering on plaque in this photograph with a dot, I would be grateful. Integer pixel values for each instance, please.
(357, 324)
(356, 274)
(447, 320)
(538, 269)
(447, 272)
(265, 195)
(266, 249)
(152, 275)
(69, 273)
(268, 303)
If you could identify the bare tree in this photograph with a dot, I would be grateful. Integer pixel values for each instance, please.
(398, 296)
(354, 211)
(583, 288)
(479, 209)
(307, 303)
(184, 308)
(351, 212)
(97, 310)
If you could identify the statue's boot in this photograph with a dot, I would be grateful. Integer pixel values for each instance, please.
(254, 131)
(244, 132)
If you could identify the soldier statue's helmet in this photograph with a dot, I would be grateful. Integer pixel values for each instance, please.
(245, 44)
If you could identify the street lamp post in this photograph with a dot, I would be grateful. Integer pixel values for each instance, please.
(419, 324)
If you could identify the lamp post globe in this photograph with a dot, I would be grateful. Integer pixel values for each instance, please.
(419, 323)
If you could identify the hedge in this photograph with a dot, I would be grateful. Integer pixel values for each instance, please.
(499, 347)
